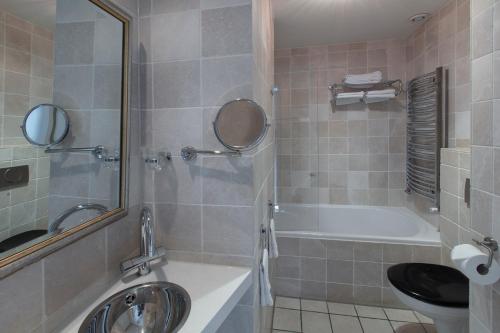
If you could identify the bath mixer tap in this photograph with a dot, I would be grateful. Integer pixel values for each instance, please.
(148, 251)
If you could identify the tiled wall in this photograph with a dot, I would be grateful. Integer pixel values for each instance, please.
(485, 153)
(209, 209)
(87, 76)
(444, 41)
(204, 208)
(341, 271)
(25, 208)
(26, 75)
(25, 81)
(263, 74)
(455, 222)
(46, 293)
(353, 155)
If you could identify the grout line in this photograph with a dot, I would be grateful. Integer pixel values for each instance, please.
(357, 316)
(301, 319)
(330, 319)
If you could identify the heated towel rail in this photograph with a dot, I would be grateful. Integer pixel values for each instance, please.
(427, 133)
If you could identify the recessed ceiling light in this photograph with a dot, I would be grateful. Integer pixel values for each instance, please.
(419, 17)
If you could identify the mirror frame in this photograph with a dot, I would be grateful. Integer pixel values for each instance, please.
(34, 251)
(27, 137)
(262, 134)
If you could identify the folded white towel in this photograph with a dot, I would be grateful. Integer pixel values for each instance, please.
(349, 98)
(273, 243)
(370, 78)
(266, 298)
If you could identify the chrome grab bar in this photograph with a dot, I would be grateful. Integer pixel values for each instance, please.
(190, 153)
(54, 226)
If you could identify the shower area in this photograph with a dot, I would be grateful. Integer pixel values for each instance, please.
(330, 154)
(343, 215)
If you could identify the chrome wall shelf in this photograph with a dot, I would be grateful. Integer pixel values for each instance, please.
(343, 87)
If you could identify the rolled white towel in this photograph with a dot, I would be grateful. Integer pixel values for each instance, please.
(377, 99)
(273, 243)
(266, 298)
(349, 98)
(370, 78)
(370, 100)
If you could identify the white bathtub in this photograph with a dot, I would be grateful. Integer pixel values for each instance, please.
(395, 225)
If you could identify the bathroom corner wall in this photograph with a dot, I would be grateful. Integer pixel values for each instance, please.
(263, 73)
(444, 40)
(454, 219)
(196, 56)
(45, 294)
(191, 64)
(485, 154)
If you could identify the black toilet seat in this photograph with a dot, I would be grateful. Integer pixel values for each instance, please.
(434, 284)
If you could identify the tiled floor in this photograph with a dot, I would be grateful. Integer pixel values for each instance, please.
(307, 316)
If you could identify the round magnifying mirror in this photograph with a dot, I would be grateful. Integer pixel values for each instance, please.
(45, 125)
(241, 124)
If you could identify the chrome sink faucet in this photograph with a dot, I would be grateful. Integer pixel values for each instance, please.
(148, 251)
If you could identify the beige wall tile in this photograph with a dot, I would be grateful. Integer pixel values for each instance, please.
(482, 33)
(217, 40)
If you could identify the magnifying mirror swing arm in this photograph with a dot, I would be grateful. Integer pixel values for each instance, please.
(49, 118)
(235, 148)
(98, 151)
(190, 153)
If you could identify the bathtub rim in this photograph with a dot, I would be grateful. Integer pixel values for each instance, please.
(429, 235)
(359, 239)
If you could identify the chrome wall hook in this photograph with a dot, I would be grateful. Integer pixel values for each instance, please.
(155, 161)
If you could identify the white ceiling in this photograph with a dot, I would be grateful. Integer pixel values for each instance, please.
(38, 12)
(319, 22)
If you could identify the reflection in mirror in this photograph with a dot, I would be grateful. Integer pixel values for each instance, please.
(45, 125)
(240, 124)
(63, 69)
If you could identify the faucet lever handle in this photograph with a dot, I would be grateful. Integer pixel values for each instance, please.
(136, 262)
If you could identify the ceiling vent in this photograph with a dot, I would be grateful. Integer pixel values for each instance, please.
(420, 17)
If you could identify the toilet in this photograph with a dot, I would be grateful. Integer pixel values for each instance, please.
(438, 292)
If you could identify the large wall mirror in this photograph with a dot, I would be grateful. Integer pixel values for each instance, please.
(63, 111)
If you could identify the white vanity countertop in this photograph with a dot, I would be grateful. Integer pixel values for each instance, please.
(214, 290)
